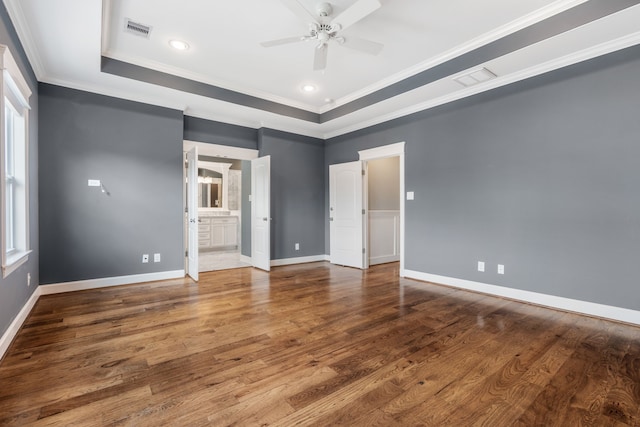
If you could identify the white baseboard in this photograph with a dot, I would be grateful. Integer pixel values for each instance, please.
(300, 260)
(246, 259)
(14, 327)
(81, 285)
(562, 303)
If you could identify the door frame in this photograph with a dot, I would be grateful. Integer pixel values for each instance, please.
(213, 150)
(390, 150)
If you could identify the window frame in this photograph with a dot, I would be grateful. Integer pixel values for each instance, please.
(14, 94)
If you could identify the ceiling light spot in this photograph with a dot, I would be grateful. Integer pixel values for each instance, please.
(178, 44)
(308, 88)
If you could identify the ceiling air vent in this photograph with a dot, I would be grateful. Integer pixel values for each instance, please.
(136, 28)
(475, 77)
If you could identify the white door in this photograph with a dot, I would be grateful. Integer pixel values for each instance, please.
(346, 215)
(192, 213)
(261, 212)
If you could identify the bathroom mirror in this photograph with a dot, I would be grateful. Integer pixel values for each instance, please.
(213, 183)
(210, 185)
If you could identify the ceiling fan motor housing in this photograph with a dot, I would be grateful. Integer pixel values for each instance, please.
(324, 9)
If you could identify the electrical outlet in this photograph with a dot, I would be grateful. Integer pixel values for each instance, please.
(145, 258)
(481, 266)
(500, 269)
(297, 246)
(156, 257)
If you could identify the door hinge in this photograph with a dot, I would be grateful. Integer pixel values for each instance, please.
(363, 212)
(362, 172)
(186, 254)
(363, 250)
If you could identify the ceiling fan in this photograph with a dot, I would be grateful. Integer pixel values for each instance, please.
(323, 29)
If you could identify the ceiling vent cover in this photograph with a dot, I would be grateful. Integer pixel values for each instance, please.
(475, 77)
(136, 28)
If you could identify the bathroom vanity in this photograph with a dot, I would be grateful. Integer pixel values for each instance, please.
(218, 232)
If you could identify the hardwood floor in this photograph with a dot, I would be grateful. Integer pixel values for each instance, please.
(318, 345)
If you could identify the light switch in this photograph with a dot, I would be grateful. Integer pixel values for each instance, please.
(94, 183)
(410, 195)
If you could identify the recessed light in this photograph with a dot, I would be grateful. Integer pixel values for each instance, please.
(178, 44)
(308, 88)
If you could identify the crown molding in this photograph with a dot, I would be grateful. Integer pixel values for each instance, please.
(564, 61)
(179, 72)
(22, 27)
(486, 38)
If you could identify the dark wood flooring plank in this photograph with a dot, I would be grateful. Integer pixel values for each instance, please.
(314, 344)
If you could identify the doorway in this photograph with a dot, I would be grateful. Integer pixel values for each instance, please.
(375, 227)
(222, 217)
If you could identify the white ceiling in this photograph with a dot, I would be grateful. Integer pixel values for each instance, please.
(65, 40)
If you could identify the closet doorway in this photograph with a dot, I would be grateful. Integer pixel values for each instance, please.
(366, 208)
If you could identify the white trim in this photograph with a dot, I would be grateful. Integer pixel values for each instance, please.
(16, 79)
(207, 80)
(389, 150)
(24, 34)
(14, 261)
(14, 327)
(81, 285)
(567, 304)
(565, 61)
(299, 260)
(245, 259)
(484, 39)
(217, 150)
(15, 89)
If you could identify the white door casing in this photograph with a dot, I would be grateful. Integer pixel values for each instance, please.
(346, 224)
(192, 212)
(261, 212)
(391, 150)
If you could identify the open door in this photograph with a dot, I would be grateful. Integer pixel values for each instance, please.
(261, 213)
(192, 213)
(346, 226)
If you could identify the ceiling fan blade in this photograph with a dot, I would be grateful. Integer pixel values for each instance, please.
(300, 11)
(320, 58)
(362, 45)
(278, 42)
(356, 12)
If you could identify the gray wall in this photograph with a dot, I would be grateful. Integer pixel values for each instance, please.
(384, 184)
(541, 176)
(297, 184)
(297, 193)
(14, 292)
(212, 132)
(136, 150)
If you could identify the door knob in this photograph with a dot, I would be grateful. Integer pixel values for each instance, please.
(330, 218)
(265, 219)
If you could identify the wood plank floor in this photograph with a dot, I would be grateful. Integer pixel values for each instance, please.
(318, 345)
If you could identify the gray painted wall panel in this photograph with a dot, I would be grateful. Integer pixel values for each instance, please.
(136, 151)
(201, 130)
(541, 176)
(14, 292)
(297, 193)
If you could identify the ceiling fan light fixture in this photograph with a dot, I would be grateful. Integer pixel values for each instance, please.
(178, 44)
